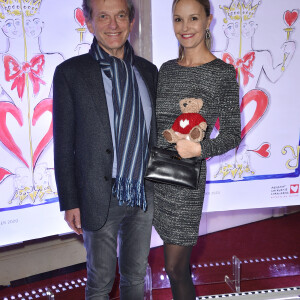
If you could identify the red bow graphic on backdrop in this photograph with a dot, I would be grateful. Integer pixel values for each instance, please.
(245, 64)
(16, 72)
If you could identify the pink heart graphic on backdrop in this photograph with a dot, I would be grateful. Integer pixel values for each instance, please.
(39, 110)
(4, 174)
(263, 150)
(290, 17)
(5, 135)
(261, 100)
(79, 16)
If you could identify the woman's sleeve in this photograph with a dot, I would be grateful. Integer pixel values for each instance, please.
(229, 116)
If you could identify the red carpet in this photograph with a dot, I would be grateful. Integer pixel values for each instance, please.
(269, 251)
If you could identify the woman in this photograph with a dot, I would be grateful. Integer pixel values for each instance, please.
(197, 73)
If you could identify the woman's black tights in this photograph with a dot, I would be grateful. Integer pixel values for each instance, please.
(177, 263)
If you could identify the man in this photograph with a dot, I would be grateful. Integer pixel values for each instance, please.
(104, 105)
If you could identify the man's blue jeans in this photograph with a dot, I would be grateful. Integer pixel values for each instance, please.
(133, 228)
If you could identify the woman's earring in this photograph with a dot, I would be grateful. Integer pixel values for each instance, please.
(207, 34)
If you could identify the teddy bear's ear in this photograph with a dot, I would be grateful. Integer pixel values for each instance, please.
(199, 103)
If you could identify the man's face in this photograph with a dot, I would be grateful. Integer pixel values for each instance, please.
(248, 29)
(33, 27)
(232, 30)
(110, 24)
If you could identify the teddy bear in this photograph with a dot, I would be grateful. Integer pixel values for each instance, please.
(190, 124)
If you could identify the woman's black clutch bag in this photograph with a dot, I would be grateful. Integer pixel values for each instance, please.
(166, 166)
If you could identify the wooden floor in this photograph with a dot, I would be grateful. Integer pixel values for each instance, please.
(269, 252)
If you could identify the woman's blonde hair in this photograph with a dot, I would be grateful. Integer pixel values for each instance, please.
(206, 5)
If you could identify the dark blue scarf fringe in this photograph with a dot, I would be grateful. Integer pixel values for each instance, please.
(131, 192)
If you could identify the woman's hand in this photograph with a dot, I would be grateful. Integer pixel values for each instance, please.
(188, 149)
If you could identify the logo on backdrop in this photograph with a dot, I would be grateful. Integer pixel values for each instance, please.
(294, 188)
(284, 191)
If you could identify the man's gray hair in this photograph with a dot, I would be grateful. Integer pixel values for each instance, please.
(88, 12)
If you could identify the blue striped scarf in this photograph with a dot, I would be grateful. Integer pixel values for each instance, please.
(131, 139)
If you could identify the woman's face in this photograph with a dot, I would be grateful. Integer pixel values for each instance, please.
(189, 23)
(13, 28)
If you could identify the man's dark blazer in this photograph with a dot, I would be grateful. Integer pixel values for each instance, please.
(83, 148)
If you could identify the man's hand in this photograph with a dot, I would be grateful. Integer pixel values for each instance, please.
(188, 149)
(72, 217)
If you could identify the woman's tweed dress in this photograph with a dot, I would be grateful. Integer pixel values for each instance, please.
(177, 210)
